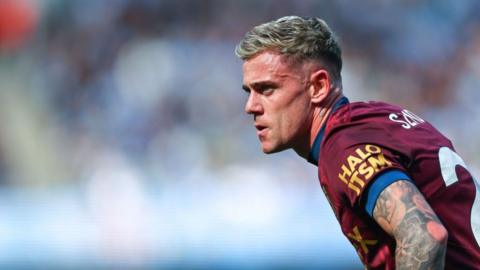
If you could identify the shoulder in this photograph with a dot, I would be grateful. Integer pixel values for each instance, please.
(357, 112)
(360, 142)
(359, 123)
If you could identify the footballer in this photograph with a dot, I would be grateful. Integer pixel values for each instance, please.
(402, 195)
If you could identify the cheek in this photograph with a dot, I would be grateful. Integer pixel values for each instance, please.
(300, 108)
(296, 118)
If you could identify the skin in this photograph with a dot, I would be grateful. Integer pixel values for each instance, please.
(289, 103)
(402, 211)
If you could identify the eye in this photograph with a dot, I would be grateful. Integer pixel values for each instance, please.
(262, 88)
(268, 90)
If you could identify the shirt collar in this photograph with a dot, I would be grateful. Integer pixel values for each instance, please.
(314, 155)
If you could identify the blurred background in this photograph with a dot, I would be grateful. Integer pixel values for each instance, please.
(124, 145)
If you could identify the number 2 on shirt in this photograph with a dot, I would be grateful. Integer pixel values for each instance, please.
(448, 161)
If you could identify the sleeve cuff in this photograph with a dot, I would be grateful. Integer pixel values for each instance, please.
(379, 184)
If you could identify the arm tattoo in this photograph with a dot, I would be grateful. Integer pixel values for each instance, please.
(401, 210)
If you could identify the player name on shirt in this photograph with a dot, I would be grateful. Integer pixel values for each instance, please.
(409, 119)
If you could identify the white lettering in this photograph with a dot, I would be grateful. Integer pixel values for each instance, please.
(394, 118)
(409, 119)
(412, 118)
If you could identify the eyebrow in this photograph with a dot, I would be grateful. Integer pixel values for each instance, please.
(260, 85)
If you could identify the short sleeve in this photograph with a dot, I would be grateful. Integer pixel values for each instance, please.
(378, 184)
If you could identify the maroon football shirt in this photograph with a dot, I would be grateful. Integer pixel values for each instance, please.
(364, 147)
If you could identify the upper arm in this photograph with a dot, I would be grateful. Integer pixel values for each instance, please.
(402, 211)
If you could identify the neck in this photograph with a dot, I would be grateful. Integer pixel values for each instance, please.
(320, 116)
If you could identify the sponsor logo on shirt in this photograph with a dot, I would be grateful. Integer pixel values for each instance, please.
(360, 166)
(361, 244)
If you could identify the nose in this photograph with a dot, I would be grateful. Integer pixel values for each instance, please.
(253, 105)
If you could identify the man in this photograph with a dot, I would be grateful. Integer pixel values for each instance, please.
(401, 194)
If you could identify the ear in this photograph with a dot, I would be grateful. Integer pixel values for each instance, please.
(319, 85)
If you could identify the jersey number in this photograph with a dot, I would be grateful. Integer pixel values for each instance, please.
(448, 161)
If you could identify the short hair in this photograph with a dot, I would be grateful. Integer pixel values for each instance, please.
(296, 37)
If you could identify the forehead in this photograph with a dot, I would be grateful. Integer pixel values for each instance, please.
(266, 66)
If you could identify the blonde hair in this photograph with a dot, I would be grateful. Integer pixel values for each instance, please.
(296, 37)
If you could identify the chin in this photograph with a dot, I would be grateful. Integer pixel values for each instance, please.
(267, 151)
(272, 149)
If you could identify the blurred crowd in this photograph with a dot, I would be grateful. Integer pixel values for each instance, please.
(126, 94)
(156, 82)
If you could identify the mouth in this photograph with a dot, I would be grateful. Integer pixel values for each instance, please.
(260, 130)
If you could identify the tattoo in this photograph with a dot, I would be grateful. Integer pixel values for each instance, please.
(402, 211)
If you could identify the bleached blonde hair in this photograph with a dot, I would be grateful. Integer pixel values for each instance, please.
(296, 37)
